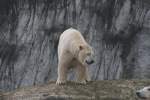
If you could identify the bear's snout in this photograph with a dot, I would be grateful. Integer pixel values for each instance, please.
(139, 94)
(144, 93)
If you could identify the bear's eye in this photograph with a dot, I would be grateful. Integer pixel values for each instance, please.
(148, 89)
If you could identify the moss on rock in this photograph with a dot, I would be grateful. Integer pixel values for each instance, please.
(96, 90)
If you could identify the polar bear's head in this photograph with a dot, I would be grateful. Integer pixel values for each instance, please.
(85, 55)
(144, 93)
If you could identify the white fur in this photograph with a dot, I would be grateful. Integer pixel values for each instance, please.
(69, 56)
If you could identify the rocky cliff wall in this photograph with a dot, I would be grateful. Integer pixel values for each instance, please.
(118, 30)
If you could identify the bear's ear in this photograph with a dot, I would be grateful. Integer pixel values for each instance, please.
(80, 47)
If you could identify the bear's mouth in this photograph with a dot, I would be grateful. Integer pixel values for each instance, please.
(89, 62)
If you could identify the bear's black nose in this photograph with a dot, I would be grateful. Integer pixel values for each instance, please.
(90, 62)
(138, 94)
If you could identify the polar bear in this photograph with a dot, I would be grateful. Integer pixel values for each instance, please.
(74, 52)
(144, 93)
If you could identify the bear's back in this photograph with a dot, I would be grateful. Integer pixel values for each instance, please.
(71, 34)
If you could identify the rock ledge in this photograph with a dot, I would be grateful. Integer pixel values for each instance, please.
(96, 90)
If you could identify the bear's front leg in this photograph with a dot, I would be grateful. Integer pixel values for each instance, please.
(62, 73)
(81, 74)
(88, 78)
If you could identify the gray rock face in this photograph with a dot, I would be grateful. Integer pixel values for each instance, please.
(118, 30)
